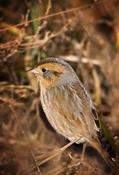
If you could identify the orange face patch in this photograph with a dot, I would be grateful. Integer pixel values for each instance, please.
(52, 66)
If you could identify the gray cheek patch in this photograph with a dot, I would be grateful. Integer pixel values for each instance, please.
(48, 75)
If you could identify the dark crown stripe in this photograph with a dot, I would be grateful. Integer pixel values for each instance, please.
(52, 60)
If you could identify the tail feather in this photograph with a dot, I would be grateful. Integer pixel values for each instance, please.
(103, 153)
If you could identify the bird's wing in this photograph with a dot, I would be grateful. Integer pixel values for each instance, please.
(89, 113)
(74, 104)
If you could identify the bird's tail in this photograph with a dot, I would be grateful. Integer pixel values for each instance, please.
(104, 154)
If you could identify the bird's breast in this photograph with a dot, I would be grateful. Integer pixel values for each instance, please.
(62, 107)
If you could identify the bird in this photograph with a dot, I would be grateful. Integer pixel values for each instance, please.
(67, 104)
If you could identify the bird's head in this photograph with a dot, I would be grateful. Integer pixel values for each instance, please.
(53, 71)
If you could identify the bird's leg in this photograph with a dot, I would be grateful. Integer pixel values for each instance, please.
(83, 152)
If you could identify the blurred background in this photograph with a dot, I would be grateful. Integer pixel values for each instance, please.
(84, 33)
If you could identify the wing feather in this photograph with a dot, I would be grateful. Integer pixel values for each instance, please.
(89, 113)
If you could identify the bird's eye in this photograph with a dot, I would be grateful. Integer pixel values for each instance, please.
(44, 70)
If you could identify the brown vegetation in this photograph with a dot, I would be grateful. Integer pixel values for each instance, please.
(84, 33)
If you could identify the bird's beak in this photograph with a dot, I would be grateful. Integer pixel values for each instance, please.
(32, 71)
(35, 71)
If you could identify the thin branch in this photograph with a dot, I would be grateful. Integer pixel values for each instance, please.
(54, 153)
(54, 14)
(49, 7)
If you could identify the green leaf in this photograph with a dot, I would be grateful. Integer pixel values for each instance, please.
(21, 72)
(107, 135)
(35, 14)
(42, 54)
